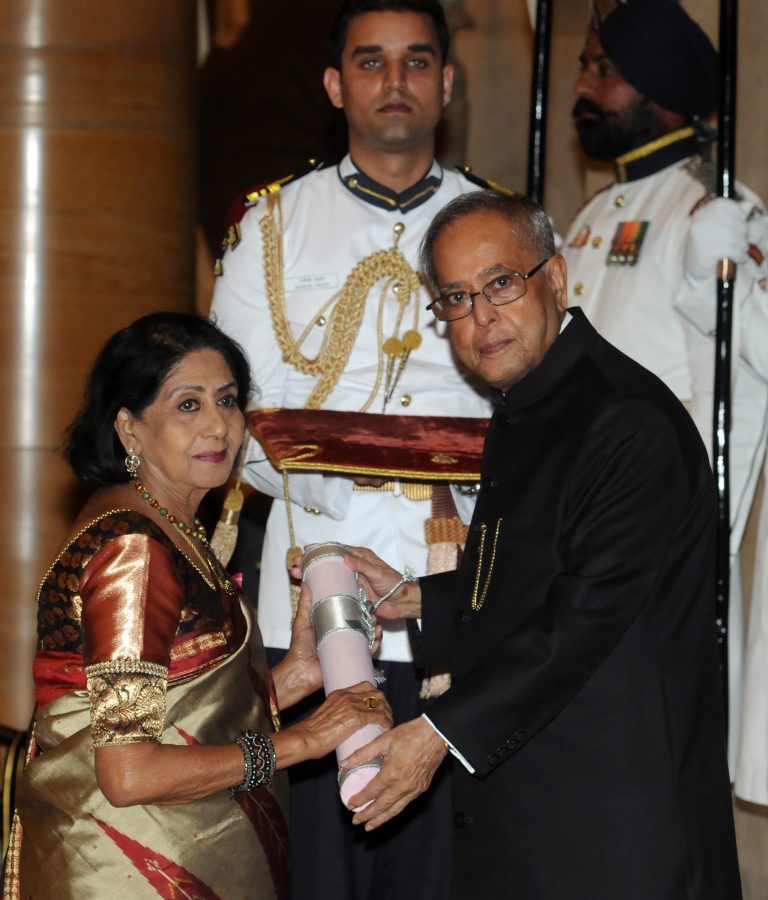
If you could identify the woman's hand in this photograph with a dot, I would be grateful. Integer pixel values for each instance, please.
(165, 774)
(341, 715)
(298, 674)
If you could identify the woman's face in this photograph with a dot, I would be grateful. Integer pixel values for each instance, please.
(187, 439)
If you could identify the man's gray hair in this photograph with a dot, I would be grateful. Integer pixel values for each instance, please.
(527, 218)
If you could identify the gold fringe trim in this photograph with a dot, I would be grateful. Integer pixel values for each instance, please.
(126, 667)
(440, 534)
(411, 490)
(445, 531)
(224, 538)
(435, 685)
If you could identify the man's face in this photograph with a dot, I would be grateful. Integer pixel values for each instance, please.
(500, 344)
(611, 117)
(392, 85)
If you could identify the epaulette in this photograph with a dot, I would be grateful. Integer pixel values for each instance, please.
(251, 197)
(484, 183)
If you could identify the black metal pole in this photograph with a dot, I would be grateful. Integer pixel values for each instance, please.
(726, 274)
(537, 132)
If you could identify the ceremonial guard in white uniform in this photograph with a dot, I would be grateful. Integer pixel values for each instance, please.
(337, 248)
(751, 778)
(319, 283)
(642, 252)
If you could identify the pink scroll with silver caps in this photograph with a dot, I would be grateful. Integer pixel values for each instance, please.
(344, 628)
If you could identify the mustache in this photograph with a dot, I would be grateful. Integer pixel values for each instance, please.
(586, 106)
(398, 95)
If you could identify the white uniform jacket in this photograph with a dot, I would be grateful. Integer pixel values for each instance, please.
(751, 781)
(645, 308)
(332, 219)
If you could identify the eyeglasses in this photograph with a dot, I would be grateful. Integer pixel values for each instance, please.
(504, 288)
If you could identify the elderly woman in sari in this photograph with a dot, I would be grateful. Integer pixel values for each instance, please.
(155, 761)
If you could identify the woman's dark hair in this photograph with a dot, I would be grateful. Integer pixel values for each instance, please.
(352, 8)
(129, 372)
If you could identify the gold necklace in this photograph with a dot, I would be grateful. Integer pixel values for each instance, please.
(208, 559)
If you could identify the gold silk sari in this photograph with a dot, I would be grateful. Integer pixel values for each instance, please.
(137, 644)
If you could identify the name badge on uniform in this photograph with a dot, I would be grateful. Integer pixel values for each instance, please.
(626, 244)
(295, 283)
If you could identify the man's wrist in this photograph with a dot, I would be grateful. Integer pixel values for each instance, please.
(397, 589)
(408, 600)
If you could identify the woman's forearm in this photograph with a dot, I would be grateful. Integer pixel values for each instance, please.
(166, 774)
(146, 773)
(290, 683)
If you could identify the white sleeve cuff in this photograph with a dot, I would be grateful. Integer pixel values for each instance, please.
(454, 752)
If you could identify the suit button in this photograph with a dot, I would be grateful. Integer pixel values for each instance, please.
(520, 736)
(461, 819)
(493, 760)
(502, 420)
(460, 618)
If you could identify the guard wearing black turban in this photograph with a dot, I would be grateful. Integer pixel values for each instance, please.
(663, 54)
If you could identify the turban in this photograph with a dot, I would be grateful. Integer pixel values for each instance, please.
(663, 54)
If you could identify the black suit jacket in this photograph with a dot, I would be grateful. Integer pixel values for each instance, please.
(580, 634)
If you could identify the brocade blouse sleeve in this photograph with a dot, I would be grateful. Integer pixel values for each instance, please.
(132, 601)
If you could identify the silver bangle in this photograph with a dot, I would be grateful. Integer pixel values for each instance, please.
(409, 577)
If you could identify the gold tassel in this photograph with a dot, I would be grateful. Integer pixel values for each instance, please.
(224, 536)
(445, 535)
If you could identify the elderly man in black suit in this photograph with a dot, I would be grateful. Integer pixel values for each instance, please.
(585, 707)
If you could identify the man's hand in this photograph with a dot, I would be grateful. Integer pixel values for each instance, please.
(718, 231)
(369, 481)
(412, 753)
(378, 578)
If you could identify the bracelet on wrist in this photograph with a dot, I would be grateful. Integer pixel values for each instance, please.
(408, 578)
(259, 761)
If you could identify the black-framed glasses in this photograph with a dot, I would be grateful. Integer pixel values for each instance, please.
(503, 288)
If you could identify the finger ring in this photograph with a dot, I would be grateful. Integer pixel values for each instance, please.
(371, 702)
